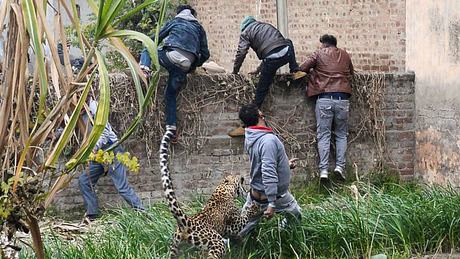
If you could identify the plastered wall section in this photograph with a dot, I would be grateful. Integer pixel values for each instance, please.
(52, 22)
(372, 31)
(200, 171)
(433, 53)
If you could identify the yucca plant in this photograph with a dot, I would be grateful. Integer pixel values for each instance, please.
(31, 109)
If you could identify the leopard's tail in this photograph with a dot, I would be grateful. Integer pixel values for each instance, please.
(166, 178)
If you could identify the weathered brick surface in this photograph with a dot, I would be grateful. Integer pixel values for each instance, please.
(200, 171)
(372, 31)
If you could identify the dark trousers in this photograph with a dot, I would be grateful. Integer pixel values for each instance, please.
(177, 79)
(268, 72)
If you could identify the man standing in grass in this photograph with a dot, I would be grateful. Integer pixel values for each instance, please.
(270, 169)
(117, 171)
(185, 47)
(330, 83)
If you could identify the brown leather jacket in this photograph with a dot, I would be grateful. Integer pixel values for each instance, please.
(262, 38)
(331, 71)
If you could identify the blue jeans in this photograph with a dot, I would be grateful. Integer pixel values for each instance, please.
(329, 111)
(177, 79)
(268, 72)
(117, 172)
(145, 58)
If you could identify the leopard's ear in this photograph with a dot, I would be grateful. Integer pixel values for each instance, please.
(241, 180)
(228, 179)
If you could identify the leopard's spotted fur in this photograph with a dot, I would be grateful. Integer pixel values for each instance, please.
(219, 218)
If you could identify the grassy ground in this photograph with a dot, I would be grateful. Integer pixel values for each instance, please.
(350, 221)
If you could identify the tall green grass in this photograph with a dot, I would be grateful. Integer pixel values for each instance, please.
(398, 221)
(394, 220)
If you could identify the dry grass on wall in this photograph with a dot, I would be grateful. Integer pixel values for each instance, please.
(215, 93)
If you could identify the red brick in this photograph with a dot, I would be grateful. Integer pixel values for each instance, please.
(377, 27)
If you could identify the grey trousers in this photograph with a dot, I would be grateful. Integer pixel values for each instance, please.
(286, 205)
(329, 111)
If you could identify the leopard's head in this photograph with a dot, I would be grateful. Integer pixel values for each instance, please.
(253, 211)
(232, 185)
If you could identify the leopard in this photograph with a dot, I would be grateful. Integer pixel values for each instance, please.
(219, 219)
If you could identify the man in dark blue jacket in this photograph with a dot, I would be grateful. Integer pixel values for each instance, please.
(185, 47)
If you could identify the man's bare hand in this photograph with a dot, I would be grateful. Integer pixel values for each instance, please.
(269, 212)
(292, 162)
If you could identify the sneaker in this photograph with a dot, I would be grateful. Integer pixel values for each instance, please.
(226, 242)
(88, 219)
(298, 74)
(282, 225)
(237, 132)
(140, 209)
(323, 175)
(340, 172)
(146, 71)
(175, 137)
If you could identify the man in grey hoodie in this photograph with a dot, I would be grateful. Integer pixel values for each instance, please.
(270, 169)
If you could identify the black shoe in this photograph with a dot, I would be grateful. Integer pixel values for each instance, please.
(173, 129)
(340, 172)
(175, 138)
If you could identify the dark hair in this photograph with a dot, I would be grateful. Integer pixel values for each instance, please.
(328, 39)
(249, 114)
(182, 7)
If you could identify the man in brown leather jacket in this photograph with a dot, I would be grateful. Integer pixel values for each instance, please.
(272, 48)
(330, 71)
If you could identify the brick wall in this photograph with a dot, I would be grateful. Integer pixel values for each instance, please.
(372, 31)
(201, 170)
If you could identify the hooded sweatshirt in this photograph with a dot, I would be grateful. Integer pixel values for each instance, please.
(246, 21)
(270, 173)
(187, 15)
(108, 136)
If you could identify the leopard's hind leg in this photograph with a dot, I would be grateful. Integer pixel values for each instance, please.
(210, 240)
(216, 248)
